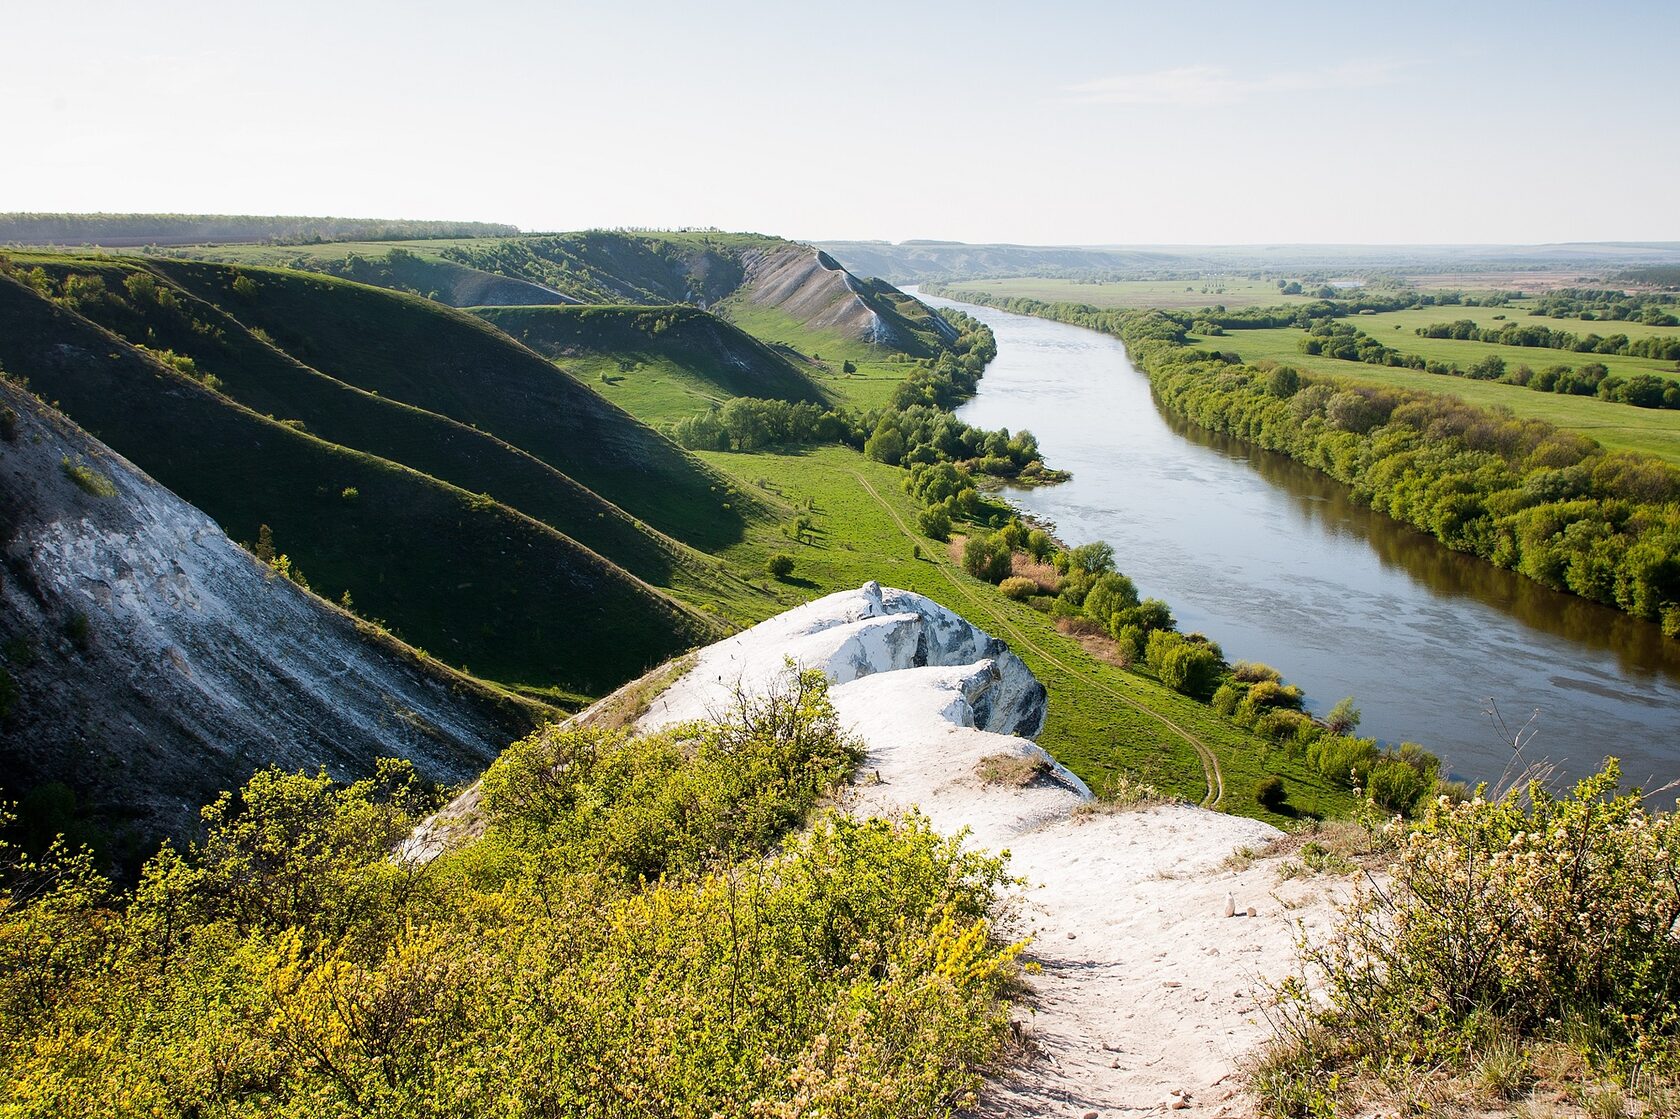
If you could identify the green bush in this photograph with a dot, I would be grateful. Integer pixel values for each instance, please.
(1269, 792)
(779, 565)
(1018, 587)
(935, 522)
(1526, 919)
(987, 557)
(618, 940)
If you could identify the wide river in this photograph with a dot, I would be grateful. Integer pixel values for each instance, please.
(1277, 564)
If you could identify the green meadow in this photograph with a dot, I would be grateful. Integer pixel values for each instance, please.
(1617, 426)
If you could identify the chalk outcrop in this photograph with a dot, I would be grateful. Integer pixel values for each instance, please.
(148, 662)
(1154, 952)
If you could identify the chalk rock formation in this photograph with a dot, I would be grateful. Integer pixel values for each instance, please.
(150, 663)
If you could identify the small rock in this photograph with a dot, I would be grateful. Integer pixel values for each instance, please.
(1075, 936)
(1230, 906)
(1251, 912)
(1115, 1063)
(1172, 983)
(1179, 1104)
(1213, 951)
(1089, 1115)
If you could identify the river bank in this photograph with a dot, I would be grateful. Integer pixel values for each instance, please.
(1278, 563)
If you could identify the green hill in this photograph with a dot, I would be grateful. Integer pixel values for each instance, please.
(477, 583)
(662, 364)
(452, 364)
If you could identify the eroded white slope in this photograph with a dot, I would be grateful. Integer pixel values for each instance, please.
(1147, 986)
(165, 663)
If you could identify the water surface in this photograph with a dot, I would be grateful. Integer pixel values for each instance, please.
(1276, 563)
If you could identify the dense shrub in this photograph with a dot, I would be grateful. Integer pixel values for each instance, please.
(1525, 918)
(617, 942)
(1269, 792)
(1018, 587)
(779, 565)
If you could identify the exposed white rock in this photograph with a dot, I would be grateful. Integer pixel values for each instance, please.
(1125, 909)
(196, 663)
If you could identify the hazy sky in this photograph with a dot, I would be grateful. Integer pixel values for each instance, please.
(1046, 123)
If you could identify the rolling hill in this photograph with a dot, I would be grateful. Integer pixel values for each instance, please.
(480, 584)
(699, 358)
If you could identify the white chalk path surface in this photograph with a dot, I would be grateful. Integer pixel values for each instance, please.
(1147, 1001)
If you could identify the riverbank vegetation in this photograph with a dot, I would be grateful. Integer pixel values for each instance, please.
(648, 926)
(1087, 597)
(1525, 495)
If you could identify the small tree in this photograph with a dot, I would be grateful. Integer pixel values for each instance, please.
(1343, 718)
(1269, 791)
(780, 565)
(935, 522)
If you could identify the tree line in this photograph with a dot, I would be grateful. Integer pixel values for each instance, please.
(1550, 504)
(193, 229)
(1535, 335)
(1082, 589)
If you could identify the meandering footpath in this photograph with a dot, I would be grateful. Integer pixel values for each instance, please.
(1211, 774)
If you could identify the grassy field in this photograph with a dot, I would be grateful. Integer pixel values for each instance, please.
(1233, 292)
(1617, 426)
(1383, 324)
(877, 376)
(1094, 732)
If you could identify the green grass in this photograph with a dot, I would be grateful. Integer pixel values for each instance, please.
(1382, 325)
(878, 373)
(1465, 353)
(1617, 426)
(1092, 733)
(1232, 292)
(478, 584)
(660, 364)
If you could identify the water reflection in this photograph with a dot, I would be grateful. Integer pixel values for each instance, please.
(1276, 562)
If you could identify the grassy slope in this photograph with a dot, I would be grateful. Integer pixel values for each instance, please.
(878, 370)
(270, 381)
(453, 364)
(476, 583)
(658, 364)
(1093, 733)
(1617, 426)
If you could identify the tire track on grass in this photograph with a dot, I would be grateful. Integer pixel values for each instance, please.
(1211, 773)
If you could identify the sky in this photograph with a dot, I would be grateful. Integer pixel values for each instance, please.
(1043, 123)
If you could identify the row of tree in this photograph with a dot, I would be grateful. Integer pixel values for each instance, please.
(1090, 593)
(1550, 504)
(1535, 335)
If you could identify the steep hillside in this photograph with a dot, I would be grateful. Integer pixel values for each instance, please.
(402, 269)
(697, 357)
(453, 364)
(147, 663)
(478, 584)
(148, 310)
(812, 288)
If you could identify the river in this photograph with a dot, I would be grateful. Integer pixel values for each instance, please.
(1276, 563)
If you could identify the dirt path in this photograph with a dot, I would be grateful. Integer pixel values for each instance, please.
(1210, 763)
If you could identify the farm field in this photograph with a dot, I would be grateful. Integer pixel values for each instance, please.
(1232, 292)
(1617, 426)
